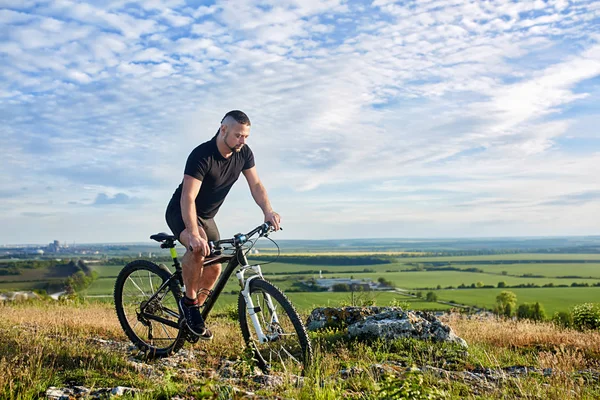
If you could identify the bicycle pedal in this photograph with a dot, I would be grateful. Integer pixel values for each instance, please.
(187, 334)
(190, 337)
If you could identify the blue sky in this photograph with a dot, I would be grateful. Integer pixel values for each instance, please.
(370, 118)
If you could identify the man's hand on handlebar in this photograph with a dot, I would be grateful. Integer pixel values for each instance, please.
(197, 244)
(274, 219)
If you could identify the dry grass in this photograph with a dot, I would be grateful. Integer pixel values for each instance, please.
(44, 344)
(65, 318)
(519, 334)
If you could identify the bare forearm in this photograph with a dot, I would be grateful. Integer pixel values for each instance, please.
(259, 194)
(188, 213)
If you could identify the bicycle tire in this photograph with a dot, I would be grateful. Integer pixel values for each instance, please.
(135, 285)
(289, 347)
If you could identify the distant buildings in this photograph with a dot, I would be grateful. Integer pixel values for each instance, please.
(365, 284)
(55, 247)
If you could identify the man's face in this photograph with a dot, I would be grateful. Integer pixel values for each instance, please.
(235, 136)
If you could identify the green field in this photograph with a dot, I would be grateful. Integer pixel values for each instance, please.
(588, 270)
(507, 268)
(553, 299)
(29, 285)
(508, 257)
(430, 279)
(306, 303)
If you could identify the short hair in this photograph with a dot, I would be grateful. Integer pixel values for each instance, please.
(239, 116)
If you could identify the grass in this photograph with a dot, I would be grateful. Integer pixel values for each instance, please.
(53, 344)
(509, 257)
(549, 270)
(553, 299)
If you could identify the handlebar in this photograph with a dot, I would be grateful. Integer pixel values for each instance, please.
(238, 239)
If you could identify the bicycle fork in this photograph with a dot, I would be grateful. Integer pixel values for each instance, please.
(250, 307)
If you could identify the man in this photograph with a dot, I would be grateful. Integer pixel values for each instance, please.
(211, 170)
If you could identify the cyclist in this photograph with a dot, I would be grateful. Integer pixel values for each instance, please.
(210, 171)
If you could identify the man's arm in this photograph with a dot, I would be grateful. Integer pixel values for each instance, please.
(259, 194)
(190, 189)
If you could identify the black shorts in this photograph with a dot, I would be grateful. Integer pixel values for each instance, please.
(175, 222)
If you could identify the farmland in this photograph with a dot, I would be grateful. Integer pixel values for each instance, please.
(469, 280)
(553, 299)
(424, 274)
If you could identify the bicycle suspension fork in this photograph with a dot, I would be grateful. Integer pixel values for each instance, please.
(250, 307)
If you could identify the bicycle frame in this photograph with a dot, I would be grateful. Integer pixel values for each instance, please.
(236, 259)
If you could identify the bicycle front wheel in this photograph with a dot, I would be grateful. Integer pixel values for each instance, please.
(286, 346)
(147, 308)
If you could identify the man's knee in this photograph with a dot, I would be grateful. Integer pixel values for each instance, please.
(213, 269)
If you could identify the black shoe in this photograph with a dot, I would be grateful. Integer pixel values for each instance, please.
(194, 321)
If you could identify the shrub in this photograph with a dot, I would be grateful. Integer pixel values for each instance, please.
(534, 312)
(340, 287)
(586, 316)
(563, 319)
(506, 302)
(384, 282)
(411, 387)
(431, 296)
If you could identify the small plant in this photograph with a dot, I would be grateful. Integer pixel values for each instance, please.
(411, 387)
(563, 319)
(403, 304)
(359, 299)
(586, 316)
(230, 312)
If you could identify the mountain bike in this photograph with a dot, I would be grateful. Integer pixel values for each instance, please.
(147, 296)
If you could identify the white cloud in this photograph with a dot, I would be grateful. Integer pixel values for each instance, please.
(405, 112)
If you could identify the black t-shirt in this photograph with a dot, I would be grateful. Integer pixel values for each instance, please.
(217, 173)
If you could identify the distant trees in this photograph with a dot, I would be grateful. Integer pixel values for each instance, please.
(384, 282)
(506, 302)
(81, 279)
(340, 287)
(350, 287)
(501, 284)
(430, 296)
(533, 311)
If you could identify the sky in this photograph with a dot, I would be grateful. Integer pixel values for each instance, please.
(412, 119)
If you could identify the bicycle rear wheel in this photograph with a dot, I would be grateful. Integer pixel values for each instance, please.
(288, 346)
(148, 310)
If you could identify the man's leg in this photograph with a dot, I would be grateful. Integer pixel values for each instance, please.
(192, 273)
(192, 269)
(211, 273)
(209, 276)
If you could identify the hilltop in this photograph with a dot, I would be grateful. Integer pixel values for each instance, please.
(45, 345)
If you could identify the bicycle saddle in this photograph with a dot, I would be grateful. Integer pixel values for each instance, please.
(161, 237)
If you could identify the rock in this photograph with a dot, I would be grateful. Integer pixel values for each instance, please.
(270, 381)
(53, 393)
(395, 324)
(19, 296)
(341, 317)
(350, 372)
(122, 390)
